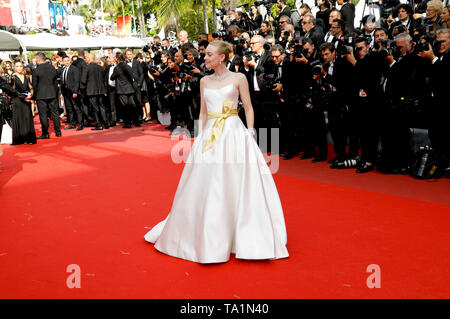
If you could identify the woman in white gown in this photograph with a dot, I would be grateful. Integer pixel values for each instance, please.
(226, 201)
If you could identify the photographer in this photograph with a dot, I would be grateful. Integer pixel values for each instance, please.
(338, 77)
(306, 123)
(311, 31)
(348, 14)
(404, 21)
(439, 132)
(403, 83)
(368, 74)
(194, 73)
(255, 63)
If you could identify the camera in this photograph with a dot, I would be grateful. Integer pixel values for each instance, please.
(344, 47)
(221, 12)
(248, 54)
(389, 47)
(221, 34)
(265, 3)
(316, 68)
(269, 80)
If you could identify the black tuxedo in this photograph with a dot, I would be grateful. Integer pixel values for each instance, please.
(411, 26)
(439, 133)
(71, 79)
(94, 81)
(81, 64)
(259, 98)
(236, 61)
(138, 73)
(45, 92)
(124, 77)
(339, 111)
(70, 85)
(112, 112)
(45, 85)
(401, 83)
(348, 15)
(262, 62)
(316, 35)
(93, 78)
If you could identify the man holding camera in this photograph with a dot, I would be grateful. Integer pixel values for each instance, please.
(402, 85)
(338, 76)
(439, 132)
(254, 65)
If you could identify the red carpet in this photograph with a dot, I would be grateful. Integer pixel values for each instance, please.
(88, 198)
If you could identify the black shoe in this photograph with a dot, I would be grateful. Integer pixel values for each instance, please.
(43, 137)
(97, 128)
(106, 127)
(58, 134)
(112, 124)
(400, 171)
(350, 163)
(307, 156)
(319, 159)
(138, 124)
(127, 126)
(364, 168)
(336, 158)
(80, 128)
(70, 127)
(289, 155)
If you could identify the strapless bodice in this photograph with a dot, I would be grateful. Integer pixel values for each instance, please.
(214, 98)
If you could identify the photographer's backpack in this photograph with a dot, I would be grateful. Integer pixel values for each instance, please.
(427, 164)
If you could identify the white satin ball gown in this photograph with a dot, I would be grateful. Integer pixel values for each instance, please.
(226, 201)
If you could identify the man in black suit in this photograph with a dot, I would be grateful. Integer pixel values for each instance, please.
(136, 68)
(348, 14)
(260, 61)
(339, 76)
(81, 64)
(45, 92)
(311, 31)
(439, 132)
(94, 81)
(110, 86)
(234, 63)
(403, 82)
(124, 78)
(70, 87)
(405, 23)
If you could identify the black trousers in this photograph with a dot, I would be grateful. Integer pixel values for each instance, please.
(45, 106)
(342, 121)
(98, 108)
(129, 108)
(112, 111)
(73, 107)
(439, 132)
(396, 138)
(369, 128)
(314, 131)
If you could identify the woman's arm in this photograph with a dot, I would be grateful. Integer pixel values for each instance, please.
(203, 110)
(246, 102)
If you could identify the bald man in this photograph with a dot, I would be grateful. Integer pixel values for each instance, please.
(94, 81)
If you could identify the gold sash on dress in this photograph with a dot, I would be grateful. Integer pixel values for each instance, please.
(217, 128)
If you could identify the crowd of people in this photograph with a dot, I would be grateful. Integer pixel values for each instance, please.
(310, 72)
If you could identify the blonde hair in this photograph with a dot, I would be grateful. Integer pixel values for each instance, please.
(436, 5)
(223, 48)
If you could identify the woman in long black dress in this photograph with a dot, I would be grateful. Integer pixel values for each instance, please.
(22, 119)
